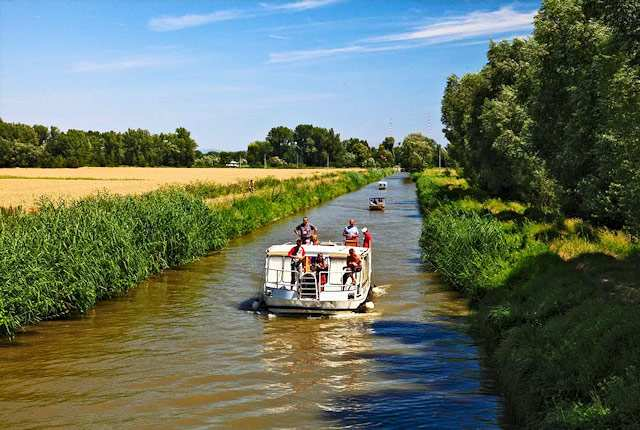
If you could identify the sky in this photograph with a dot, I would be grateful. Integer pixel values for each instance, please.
(228, 71)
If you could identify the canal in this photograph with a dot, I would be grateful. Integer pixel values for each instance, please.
(179, 352)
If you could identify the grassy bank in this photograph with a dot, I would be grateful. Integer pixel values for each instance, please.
(558, 303)
(66, 256)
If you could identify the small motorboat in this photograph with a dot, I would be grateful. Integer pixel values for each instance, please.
(376, 203)
(382, 185)
(312, 291)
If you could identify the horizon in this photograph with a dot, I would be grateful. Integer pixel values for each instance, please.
(230, 71)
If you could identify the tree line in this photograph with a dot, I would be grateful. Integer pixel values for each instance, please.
(23, 145)
(554, 120)
(310, 145)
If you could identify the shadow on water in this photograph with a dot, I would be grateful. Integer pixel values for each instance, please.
(433, 380)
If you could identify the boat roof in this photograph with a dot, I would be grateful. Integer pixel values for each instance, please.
(328, 249)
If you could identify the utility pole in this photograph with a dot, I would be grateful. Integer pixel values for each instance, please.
(439, 157)
(327, 159)
(428, 124)
(265, 160)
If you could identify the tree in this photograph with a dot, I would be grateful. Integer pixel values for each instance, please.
(280, 138)
(417, 152)
(360, 149)
(388, 143)
(258, 151)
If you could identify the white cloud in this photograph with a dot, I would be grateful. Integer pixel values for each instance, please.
(172, 23)
(299, 5)
(140, 62)
(310, 54)
(313, 54)
(466, 26)
(277, 37)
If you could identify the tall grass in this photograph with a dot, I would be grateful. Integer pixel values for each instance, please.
(66, 256)
(555, 301)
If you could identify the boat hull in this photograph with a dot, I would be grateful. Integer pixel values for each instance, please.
(295, 306)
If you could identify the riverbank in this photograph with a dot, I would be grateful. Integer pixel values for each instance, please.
(557, 303)
(65, 257)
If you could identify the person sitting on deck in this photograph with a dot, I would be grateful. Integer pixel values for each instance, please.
(351, 233)
(321, 267)
(354, 265)
(368, 239)
(297, 255)
(306, 230)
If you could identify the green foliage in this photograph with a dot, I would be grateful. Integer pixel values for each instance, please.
(417, 152)
(65, 257)
(553, 301)
(25, 146)
(555, 120)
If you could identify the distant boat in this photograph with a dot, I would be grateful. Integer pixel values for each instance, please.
(376, 203)
(382, 185)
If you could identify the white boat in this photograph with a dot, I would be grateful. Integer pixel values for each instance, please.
(310, 291)
(376, 203)
(382, 185)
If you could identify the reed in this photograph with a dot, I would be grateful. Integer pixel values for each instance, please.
(66, 256)
(555, 303)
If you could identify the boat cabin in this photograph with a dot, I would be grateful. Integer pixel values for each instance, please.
(286, 285)
(382, 185)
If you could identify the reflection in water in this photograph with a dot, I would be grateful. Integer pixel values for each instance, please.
(178, 353)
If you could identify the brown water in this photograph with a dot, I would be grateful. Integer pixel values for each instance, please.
(177, 352)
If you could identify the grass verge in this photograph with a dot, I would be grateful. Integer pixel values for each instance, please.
(558, 303)
(66, 256)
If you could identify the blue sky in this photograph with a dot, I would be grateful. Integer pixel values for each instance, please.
(230, 70)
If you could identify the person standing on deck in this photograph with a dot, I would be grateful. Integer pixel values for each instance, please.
(321, 268)
(297, 255)
(368, 239)
(354, 265)
(306, 230)
(351, 233)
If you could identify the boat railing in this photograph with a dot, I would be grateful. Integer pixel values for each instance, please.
(282, 279)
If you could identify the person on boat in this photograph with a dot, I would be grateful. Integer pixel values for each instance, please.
(305, 230)
(354, 265)
(314, 239)
(351, 233)
(321, 267)
(297, 255)
(367, 238)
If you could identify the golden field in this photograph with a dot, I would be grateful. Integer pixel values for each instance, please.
(23, 187)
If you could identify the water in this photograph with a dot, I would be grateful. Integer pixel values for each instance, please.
(177, 352)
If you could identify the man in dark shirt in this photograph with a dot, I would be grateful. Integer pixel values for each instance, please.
(306, 230)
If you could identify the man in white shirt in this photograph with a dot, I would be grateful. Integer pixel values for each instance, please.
(351, 232)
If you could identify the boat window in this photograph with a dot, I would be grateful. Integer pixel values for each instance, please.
(275, 265)
(335, 274)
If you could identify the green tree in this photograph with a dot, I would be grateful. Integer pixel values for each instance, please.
(258, 151)
(280, 138)
(417, 152)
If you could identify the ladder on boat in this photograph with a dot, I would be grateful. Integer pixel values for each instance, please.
(308, 287)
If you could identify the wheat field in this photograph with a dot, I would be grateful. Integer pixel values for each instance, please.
(21, 187)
